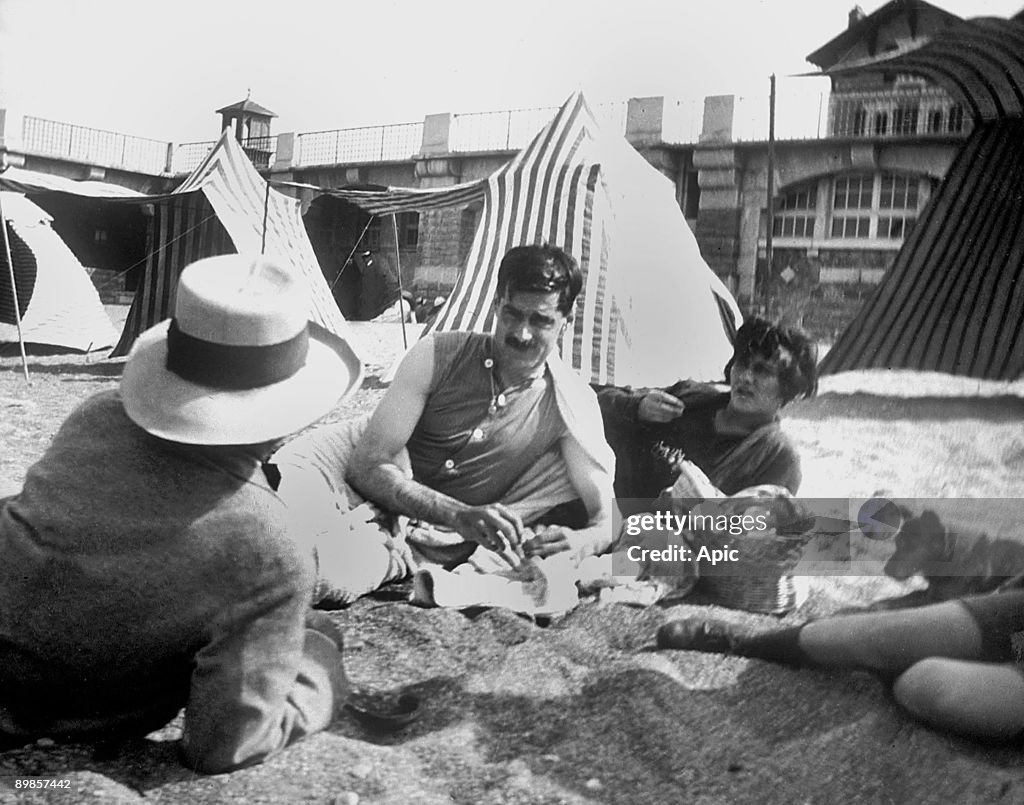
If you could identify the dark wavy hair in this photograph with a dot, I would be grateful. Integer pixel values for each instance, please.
(798, 370)
(541, 269)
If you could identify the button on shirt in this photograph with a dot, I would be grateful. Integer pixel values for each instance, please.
(462, 449)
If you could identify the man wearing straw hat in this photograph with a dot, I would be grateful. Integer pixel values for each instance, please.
(147, 563)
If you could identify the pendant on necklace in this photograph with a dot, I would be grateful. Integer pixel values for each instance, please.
(501, 400)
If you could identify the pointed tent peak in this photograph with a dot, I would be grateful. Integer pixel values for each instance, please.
(226, 147)
(247, 107)
(575, 97)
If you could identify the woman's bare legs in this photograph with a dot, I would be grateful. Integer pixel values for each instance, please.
(943, 660)
(983, 700)
(892, 641)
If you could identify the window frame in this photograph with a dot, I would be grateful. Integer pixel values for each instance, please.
(895, 203)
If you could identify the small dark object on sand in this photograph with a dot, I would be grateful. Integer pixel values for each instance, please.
(384, 712)
(697, 634)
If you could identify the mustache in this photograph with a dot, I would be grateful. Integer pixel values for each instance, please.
(516, 344)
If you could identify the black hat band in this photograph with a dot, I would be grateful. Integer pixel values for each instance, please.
(229, 366)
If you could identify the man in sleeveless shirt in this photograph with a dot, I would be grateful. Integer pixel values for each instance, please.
(490, 438)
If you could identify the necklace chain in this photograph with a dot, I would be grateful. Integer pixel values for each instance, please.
(498, 398)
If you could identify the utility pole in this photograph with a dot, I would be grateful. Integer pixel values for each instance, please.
(766, 272)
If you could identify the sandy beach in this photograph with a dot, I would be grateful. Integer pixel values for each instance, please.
(581, 710)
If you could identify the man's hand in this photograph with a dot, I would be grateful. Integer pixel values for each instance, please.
(551, 539)
(495, 527)
(659, 406)
(693, 483)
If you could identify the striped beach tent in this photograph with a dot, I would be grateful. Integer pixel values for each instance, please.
(651, 311)
(953, 300)
(224, 206)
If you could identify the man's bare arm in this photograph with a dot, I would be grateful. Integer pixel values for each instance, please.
(594, 487)
(375, 472)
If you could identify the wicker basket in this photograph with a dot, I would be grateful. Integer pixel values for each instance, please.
(758, 579)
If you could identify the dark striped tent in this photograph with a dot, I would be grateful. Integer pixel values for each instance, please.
(953, 300)
(224, 206)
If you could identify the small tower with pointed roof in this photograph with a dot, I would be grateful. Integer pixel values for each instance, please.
(247, 118)
(251, 125)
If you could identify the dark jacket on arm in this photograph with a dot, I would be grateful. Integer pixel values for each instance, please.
(645, 452)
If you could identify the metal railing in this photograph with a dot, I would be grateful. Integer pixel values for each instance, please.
(511, 129)
(910, 113)
(803, 112)
(188, 156)
(395, 142)
(94, 146)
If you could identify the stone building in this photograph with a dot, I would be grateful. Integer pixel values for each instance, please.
(846, 194)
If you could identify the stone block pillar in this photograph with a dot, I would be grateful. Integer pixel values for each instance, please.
(719, 111)
(286, 153)
(12, 145)
(437, 134)
(645, 119)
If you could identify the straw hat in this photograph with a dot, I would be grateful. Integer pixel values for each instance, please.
(239, 363)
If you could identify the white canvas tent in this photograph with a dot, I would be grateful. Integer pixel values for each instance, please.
(651, 311)
(57, 302)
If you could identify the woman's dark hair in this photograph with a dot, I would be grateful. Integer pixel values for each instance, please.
(541, 269)
(798, 370)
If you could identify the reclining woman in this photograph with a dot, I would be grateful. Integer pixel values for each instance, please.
(955, 664)
(731, 436)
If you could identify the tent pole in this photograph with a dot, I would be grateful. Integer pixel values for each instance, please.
(266, 207)
(401, 292)
(14, 292)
